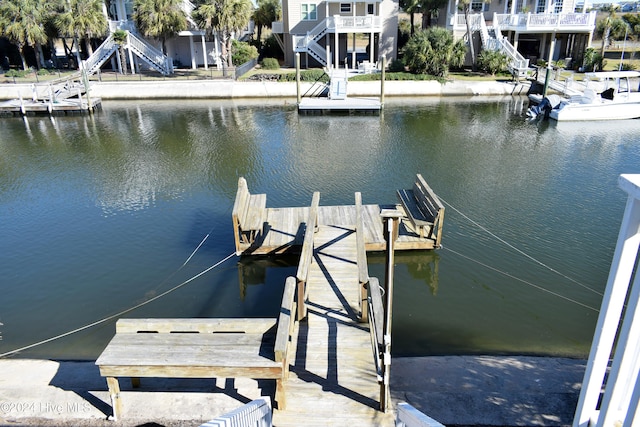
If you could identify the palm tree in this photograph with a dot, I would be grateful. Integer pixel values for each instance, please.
(160, 19)
(82, 18)
(21, 21)
(428, 8)
(120, 38)
(466, 7)
(225, 17)
(608, 22)
(411, 7)
(267, 12)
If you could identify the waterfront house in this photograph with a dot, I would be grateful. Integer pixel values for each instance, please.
(527, 30)
(329, 32)
(189, 48)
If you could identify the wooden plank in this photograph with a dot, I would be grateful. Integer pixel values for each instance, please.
(307, 247)
(205, 325)
(286, 320)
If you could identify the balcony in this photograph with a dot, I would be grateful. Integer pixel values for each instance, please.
(545, 22)
(354, 24)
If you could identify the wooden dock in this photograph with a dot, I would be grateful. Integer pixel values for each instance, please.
(61, 96)
(351, 105)
(283, 233)
(333, 379)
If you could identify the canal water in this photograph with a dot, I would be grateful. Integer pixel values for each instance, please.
(103, 216)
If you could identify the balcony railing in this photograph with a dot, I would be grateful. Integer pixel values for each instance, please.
(545, 21)
(345, 24)
(121, 25)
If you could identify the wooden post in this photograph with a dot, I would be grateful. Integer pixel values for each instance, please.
(298, 77)
(382, 77)
(391, 220)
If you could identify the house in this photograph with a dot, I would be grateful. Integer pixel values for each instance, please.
(188, 48)
(527, 30)
(329, 32)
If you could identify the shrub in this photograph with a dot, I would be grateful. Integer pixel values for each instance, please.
(15, 73)
(396, 66)
(433, 51)
(492, 61)
(271, 48)
(627, 66)
(593, 61)
(270, 64)
(242, 52)
(306, 76)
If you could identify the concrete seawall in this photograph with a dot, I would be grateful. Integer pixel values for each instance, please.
(228, 89)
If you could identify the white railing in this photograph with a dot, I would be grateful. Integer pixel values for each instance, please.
(121, 25)
(100, 55)
(256, 413)
(408, 416)
(614, 357)
(541, 21)
(354, 23)
(150, 55)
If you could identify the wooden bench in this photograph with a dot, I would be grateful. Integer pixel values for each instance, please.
(423, 209)
(248, 216)
(201, 348)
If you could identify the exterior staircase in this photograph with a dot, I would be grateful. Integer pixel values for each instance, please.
(154, 58)
(309, 43)
(492, 39)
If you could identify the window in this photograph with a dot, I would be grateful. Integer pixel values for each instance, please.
(345, 7)
(477, 5)
(309, 12)
(370, 10)
(558, 6)
(541, 6)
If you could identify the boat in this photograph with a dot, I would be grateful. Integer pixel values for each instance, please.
(608, 95)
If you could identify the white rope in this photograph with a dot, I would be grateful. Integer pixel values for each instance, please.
(520, 251)
(522, 280)
(113, 316)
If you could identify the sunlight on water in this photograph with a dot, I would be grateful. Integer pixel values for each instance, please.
(99, 213)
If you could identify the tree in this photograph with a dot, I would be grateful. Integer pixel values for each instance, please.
(466, 8)
(411, 7)
(225, 17)
(160, 19)
(82, 18)
(429, 8)
(21, 21)
(433, 51)
(267, 12)
(120, 38)
(608, 21)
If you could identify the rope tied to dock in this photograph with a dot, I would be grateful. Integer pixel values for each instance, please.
(521, 252)
(135, 307)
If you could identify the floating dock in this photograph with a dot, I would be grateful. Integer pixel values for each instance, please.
(56, 97)
(322, 106)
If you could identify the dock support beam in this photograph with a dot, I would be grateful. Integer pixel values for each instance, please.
(391, 220)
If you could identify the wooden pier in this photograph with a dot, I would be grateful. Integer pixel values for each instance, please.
(56, 97)
(331, 353)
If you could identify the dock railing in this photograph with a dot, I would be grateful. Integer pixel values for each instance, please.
(363, 269)
(376, 329)
(306, 255)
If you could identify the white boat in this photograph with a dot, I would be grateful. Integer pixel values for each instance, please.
(608, 96)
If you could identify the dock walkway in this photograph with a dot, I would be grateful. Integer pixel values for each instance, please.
(333, 377)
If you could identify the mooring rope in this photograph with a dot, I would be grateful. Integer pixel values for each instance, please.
(113, 316)
(521, 251)
(521, 280)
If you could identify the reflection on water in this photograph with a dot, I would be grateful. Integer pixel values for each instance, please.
(99, 213)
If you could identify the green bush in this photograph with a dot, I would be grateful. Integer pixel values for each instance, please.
(306, 76)
(433, 51)
(492, 61)
(593, 61)
(242, 52)
(396, 66)
(270, 64)
(15, 73)
(627, 66)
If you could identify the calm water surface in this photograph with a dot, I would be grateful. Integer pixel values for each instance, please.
(99, 214)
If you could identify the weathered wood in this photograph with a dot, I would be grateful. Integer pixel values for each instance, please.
(306, 256)
(286, 321)
(253, 325)
(363, 269)
(248, 216)
(423, 209)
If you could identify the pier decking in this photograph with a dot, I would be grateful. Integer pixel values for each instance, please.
(282, 231)
(333, 379)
